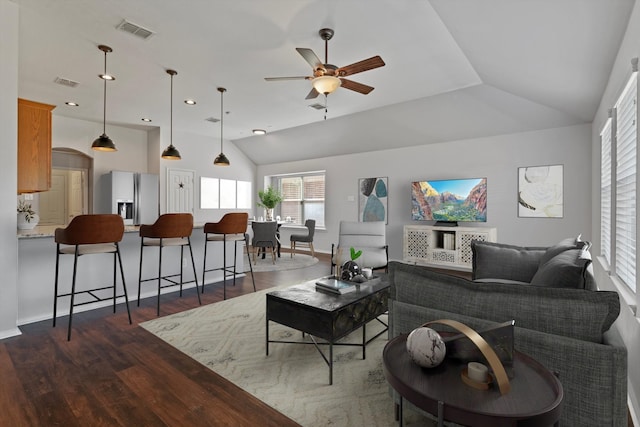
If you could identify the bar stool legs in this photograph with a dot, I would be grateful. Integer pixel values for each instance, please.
(161, 243)
(92, 292)
(224, 268)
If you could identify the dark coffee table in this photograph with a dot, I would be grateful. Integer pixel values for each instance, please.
(327, 316)
(535, 398)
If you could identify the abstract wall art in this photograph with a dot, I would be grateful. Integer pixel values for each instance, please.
(540, 192)
(372, 199)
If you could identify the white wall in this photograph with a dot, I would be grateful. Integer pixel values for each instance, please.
(496, 158)
(198, 153)
(9, 167)
(627, 324)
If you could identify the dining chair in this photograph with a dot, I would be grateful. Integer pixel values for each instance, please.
(265, 236)
(305, 239)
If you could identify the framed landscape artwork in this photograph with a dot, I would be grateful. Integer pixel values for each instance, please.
(372, 199)
(540, 192)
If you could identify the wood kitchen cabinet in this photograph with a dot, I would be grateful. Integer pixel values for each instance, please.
(34, 146)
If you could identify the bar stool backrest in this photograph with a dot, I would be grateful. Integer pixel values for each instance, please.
(91, 229)
(169, 225)
(230, 223)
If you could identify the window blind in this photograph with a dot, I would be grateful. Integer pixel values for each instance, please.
(605, 192)
(626, 171)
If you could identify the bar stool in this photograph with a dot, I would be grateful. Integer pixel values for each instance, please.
(88, 235)
(172, 229)
(232, 227)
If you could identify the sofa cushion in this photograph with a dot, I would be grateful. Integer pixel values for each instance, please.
(507, 262)
(575, 313)
(563, 245)
(568, 269)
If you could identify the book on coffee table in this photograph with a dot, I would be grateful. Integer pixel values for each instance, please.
(336, 286)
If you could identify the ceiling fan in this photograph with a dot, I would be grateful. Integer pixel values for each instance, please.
(327, 77)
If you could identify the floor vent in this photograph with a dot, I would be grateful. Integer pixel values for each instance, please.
(65, 82)
(136, 30)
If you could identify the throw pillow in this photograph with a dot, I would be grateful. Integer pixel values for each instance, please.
(565, 270)
(563, 245)
(507, 262)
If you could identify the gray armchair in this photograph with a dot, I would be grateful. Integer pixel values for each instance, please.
(264, 236)
(368, 237)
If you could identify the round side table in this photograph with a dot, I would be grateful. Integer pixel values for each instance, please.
(535, 398)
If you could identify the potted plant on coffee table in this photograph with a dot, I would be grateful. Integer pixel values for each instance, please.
(269, 199)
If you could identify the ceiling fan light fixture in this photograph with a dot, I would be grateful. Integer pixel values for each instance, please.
(103, 142)
(326, 84)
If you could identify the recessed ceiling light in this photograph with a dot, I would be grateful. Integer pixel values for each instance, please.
(190, 102)
(259, 132)
(72, 104)
(144, 119)
(106, 76)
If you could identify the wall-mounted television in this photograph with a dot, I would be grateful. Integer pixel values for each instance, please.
(450, 200)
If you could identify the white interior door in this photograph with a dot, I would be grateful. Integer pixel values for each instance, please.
(52, 205)
(180, 190)
(76, 194)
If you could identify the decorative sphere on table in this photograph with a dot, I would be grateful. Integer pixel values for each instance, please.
(425, 347)
(349, 270)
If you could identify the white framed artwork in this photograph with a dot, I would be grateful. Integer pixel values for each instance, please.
(540, 191)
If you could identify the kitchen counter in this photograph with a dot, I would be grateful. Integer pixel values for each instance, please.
(49, 231)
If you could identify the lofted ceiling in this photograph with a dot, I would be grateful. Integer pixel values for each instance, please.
(454, 69)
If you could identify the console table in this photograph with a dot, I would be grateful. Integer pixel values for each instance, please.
(535, 398)
(442, 246)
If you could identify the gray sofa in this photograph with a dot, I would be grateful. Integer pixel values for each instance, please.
(567, 330)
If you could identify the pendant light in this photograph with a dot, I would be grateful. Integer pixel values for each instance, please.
(103, 142)
(171, 152)
(221, 160)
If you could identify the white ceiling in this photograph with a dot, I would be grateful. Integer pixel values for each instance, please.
(454, 68)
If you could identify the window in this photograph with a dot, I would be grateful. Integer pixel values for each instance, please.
(605, 191)
(303, 196)
(626, 141)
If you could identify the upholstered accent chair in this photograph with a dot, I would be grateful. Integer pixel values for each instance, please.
(368, 237)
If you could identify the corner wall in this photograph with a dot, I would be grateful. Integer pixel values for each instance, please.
(9, 166)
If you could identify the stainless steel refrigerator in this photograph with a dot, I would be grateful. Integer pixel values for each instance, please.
(134, 196)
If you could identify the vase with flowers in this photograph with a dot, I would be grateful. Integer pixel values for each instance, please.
(27, 217)
(269, 199)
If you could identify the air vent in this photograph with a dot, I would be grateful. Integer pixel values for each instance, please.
(317, 106)
(65, 82)
(212, 120)
(136, 30)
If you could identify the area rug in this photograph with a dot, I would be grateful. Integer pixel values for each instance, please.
(285, 262)
(229, 338)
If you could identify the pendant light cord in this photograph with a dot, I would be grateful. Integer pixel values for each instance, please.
(171, 115)
(104, 106)
(221, 121)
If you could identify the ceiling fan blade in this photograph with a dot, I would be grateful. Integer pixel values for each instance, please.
(310, 57)
(356, 87)
(358, 67)
(277, 79)
(313, 94)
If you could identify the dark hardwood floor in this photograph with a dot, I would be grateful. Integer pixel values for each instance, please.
(115, 374)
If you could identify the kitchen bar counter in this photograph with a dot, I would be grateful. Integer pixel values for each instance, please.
(37, 263)
(49, 230)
